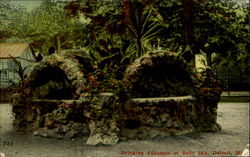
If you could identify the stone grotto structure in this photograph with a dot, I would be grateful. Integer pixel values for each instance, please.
(159, 92)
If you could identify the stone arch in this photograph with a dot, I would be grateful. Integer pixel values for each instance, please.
(158, 74)
(62, 72)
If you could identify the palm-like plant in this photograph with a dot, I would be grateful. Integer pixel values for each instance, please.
(142, 30)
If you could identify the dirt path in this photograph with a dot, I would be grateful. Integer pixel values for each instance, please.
(233, 117)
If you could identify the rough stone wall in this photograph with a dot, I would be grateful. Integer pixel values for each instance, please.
(101, 112)
(150, 117)
(158, 74)
(49, 118)
(72, 63)
(95, 116)
(103, 116)
(39, 103)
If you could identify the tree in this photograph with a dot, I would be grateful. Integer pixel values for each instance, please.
(118, 29)
(48, 25)
(203, 26)
(45, 26)
(219, 29)
(9, 16)
(105, 30)
(176, 19)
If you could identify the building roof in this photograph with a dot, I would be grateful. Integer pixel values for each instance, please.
(14, 49)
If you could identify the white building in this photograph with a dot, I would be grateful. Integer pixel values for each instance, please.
(9, 52)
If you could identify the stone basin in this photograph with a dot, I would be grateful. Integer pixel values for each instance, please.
(162, 99)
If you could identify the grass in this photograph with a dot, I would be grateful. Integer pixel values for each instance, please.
(235, 99)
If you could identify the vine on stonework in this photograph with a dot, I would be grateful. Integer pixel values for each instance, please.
(19, 87)
(207, 87)
(103, 80)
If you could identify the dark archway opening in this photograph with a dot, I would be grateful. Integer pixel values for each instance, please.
(168, 79)
(52, 83)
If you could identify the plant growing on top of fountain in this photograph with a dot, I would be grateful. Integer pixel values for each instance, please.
(19, 87)
(102, 80)
(207, 87)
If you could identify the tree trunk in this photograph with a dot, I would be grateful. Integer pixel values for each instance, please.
(194, 60)
(187, 20)
(58, 43)
(209, 59)
(126, 11)
(188, 23)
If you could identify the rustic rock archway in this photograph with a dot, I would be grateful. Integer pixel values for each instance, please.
(160, 100)
(158, 74)
(62, 72)
(50, 94)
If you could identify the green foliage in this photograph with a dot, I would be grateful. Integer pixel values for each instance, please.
(169, 14)
(225, 32)
(219, 27)
(142, 31)
(10, 19)
(104, 38)
(43, 25)
(207, 87)
(102, 80)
